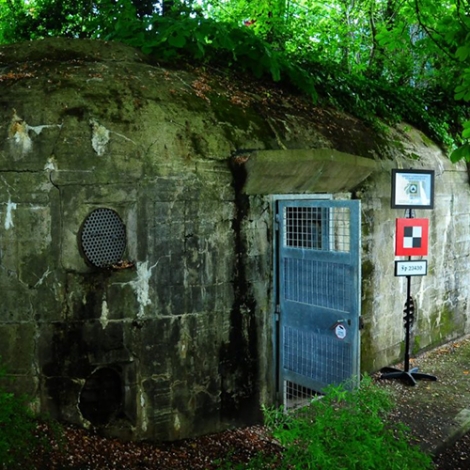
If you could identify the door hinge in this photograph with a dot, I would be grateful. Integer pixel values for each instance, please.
(277, 312)
(361, 323)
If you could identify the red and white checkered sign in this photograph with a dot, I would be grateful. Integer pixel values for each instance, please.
(411, 237)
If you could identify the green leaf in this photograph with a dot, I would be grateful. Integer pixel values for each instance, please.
(462, 92)
(461, 153)
(147, 49)
(177, 39)
(462, 52)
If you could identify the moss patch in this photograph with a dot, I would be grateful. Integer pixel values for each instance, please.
(444, 325)
(368, 352)
(367, 269)
(416, 344)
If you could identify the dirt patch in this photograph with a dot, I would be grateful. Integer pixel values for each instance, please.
(429, 408)
(80, 449)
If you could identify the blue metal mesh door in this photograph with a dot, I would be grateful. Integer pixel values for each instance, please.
(319, 295)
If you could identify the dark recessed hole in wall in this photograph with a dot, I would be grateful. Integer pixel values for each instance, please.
(101, 397)
(103, 238)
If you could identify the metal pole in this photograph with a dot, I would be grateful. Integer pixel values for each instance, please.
(407, 323)
(407, 313)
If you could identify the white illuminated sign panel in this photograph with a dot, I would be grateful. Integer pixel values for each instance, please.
(412, 189)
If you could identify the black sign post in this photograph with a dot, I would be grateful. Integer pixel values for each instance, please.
(410, 189)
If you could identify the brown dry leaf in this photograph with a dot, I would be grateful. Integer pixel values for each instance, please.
(15, 76)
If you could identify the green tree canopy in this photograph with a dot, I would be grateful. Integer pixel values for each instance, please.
(387, 59)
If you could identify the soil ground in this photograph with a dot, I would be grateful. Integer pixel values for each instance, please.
(429, 409)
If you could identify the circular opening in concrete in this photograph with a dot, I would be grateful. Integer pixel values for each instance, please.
(101, 396)
(103, 237)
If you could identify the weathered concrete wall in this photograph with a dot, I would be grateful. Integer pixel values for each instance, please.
(89, 125)
(185, 334)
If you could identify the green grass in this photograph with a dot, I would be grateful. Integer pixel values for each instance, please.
(343, 431)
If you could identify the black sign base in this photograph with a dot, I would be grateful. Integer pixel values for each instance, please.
(409, 377)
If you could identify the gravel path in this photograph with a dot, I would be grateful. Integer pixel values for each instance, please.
(429, 408)
(456, 457)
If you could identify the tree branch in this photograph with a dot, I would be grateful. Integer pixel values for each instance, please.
(430, 35)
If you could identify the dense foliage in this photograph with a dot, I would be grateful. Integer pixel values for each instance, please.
(342, 430)
(387, 59)
(17, 426)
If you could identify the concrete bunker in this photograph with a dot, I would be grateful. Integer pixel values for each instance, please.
(183, 342)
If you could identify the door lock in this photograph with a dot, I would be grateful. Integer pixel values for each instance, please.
(338, 322)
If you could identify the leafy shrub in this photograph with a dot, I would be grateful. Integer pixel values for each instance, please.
(20, 439)
(343, 430)
(226, 44)
(211, 42)
(16, 427)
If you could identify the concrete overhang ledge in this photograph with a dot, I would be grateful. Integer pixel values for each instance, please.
(304, 171)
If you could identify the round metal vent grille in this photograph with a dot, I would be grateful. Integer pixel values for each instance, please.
(103, 238)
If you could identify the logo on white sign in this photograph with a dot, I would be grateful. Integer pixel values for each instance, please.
(340, 331)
